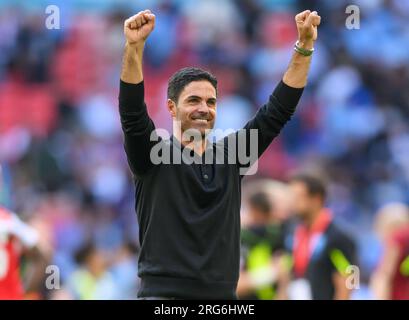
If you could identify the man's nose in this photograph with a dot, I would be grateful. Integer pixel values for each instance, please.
(203, 108)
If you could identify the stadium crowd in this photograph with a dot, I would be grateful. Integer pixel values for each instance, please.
(62, 161)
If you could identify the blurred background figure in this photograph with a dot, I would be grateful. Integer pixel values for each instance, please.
(92, 280)
(391, 278)
(17, 241)
(22, 260)
(61, 148)
(322, 252)
(262, 274)
(125, 271)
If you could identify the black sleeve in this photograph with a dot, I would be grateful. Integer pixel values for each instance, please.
(137, 127)
(271, 117)
(268, 121)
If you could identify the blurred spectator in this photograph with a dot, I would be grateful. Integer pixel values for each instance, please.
(261, 276)
(125, 271)
(93, 280)
(322, 252)
(17, 240)
(391, 279)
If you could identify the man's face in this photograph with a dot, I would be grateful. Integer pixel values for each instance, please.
(196, 107)
(302, 202)
(257, 217)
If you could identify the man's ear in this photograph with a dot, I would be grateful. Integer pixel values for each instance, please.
(172, 108)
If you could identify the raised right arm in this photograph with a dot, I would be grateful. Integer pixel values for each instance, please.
(137, 126)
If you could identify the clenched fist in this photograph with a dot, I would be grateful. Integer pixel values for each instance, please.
(138, 27)
(307, 23)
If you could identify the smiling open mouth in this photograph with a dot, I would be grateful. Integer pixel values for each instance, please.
(200, 120)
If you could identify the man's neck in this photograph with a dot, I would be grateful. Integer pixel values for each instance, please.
(199, 146)
(312, 217)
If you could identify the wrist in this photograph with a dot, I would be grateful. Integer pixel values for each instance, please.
(138, 46)
(306, 44)
(304, 49)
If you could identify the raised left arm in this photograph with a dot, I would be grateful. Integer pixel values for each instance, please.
(272, 117)
(297, 72)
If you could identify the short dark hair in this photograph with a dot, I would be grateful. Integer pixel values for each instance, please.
(184, 76)
(261, 202)
(315, 186)
(83, 253)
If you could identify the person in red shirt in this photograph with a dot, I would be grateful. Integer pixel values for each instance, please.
(391, 278)
(15, 238)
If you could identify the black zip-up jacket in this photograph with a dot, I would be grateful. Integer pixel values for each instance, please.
(189, 214)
